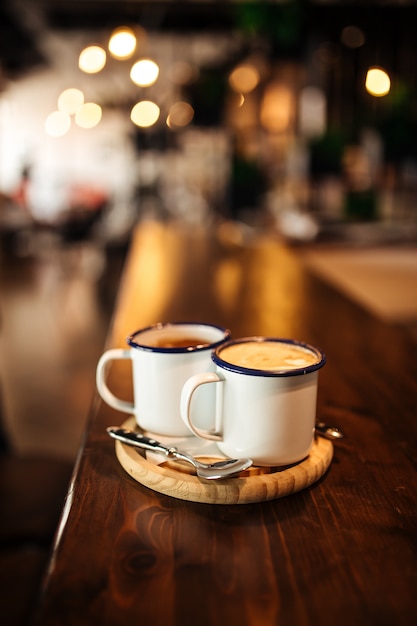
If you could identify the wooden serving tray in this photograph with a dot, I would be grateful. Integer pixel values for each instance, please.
(257, 484)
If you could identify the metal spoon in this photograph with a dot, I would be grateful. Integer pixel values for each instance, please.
(329, 432)
(211, 471)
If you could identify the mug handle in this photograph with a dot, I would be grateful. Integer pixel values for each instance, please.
(185, 406)
(104, 391)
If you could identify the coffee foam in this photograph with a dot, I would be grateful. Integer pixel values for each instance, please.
(269, 355)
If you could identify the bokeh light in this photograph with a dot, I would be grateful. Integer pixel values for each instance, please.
(70, 100)
(244, 78)
(277, 108)
(122, 43)
(352, 37)
(89, 115)
(377, 82)
(57, 123)
(145, 113)
(180, 115)
(144, 73)
(183, 73)
(92, 59)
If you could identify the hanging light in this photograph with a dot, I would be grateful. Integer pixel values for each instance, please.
(122, 43)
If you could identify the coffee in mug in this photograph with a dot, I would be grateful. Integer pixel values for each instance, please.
(274, 356)
(163, 357)
(265, 396)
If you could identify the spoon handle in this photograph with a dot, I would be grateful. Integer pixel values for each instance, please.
(133, 438)
(329, 432)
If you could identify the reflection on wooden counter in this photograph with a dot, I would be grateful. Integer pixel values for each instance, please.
(341, 551)
(209, 275)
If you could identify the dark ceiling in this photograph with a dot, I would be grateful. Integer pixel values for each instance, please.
(23, 23)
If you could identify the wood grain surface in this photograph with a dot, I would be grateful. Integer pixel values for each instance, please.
(342, 551)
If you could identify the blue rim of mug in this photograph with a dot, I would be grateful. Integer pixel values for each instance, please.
(179, 349)
(239, 369)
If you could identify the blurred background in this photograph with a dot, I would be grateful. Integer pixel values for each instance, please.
(294, 116)
(250, 110)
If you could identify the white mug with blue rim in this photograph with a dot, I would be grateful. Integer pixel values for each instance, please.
(264, 391)
(163, 357)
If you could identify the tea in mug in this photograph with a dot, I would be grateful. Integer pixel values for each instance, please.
(178, 342)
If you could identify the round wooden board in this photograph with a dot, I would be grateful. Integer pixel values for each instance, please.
(257, 484)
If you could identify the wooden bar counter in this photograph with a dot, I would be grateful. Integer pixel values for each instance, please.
(342, 551)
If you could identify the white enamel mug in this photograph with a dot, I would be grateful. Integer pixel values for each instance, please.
(265, 392)
(163, 357)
